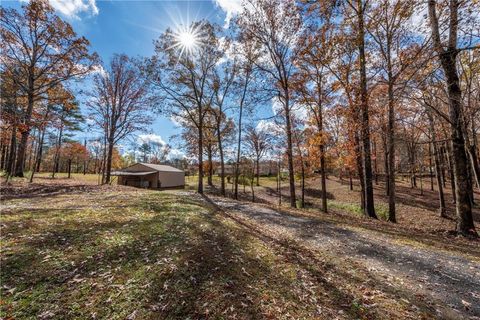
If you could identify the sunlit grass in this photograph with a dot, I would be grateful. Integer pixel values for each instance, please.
(380, 209)
(140, 254)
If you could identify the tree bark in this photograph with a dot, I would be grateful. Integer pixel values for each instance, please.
(386, 160)
(13, 150)
(430, 169)
(391, 153)
(210, 165)
(239, 141)
(200, 152)
(365, 130)
(56, 157)
(448, 153)
(108, 168)
(358, 159)
(22, 147)
(3, 158)
(291, 173)
(69, 168)
(447, 58)
(222, 164)
(438, 174)
(258, 170)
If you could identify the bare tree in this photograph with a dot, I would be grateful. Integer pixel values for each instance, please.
(223, 82)
(119, 103)
(393, 41)
(275, 25)
(258, 142)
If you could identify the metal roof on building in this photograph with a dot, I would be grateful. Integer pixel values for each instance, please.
(161, 167)
(130, 173)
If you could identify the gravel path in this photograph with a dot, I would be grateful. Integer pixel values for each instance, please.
(450, 281)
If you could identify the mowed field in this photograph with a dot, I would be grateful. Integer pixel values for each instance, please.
(73, 250)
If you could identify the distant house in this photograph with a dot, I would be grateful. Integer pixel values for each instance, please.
(153, 176)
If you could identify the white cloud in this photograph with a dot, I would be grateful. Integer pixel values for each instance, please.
(148, 138)
(99, 69)
(71, 8)
(270, 127)
(176, 154)
(300, 112)
(178, 121)
(231, 8)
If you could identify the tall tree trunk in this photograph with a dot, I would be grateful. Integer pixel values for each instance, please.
(442, 160)
(324, 178)
(38, 159)
(350, 179)
(291, 173)
(251, 187)
(3, 158)
(22, 147)
(358, 159)
(69, 163)
(365, 130)
(303, 184)
(56, 157)
(430, 169)
(451, 171)
(441, 197)
(391, 152)
(386, 160)
(258, 171)
(108, 161)
(239, 141)
(200, 153)
(32, 150)
(13, 150)
(210, 165)
(85, 162)
(104, 158)
(447, 58)
(279, 179)
(222, 163)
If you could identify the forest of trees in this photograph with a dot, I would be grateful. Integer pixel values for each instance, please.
(367, 90)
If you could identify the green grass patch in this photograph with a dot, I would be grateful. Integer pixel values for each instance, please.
(380, 209)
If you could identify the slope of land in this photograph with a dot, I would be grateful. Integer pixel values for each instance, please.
(73, 250)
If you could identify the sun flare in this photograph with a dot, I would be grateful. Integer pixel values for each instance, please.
(187, 40)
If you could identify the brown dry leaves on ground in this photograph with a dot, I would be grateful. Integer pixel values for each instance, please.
(74, 250)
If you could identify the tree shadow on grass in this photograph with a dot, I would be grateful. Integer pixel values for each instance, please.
(180, 264)
(428, 263)
(220, 277)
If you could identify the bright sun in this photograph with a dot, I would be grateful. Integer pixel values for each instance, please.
(187, 40)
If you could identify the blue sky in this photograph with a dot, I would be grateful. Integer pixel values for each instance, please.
(130, 27)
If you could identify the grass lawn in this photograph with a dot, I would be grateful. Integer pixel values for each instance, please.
(123, 253)
(70, 249)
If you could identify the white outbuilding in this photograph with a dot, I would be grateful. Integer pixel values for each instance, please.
(152, 176)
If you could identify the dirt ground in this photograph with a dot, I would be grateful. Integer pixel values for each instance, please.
(415, 209)
(447, 281)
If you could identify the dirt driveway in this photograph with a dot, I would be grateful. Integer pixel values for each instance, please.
(448, 281)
